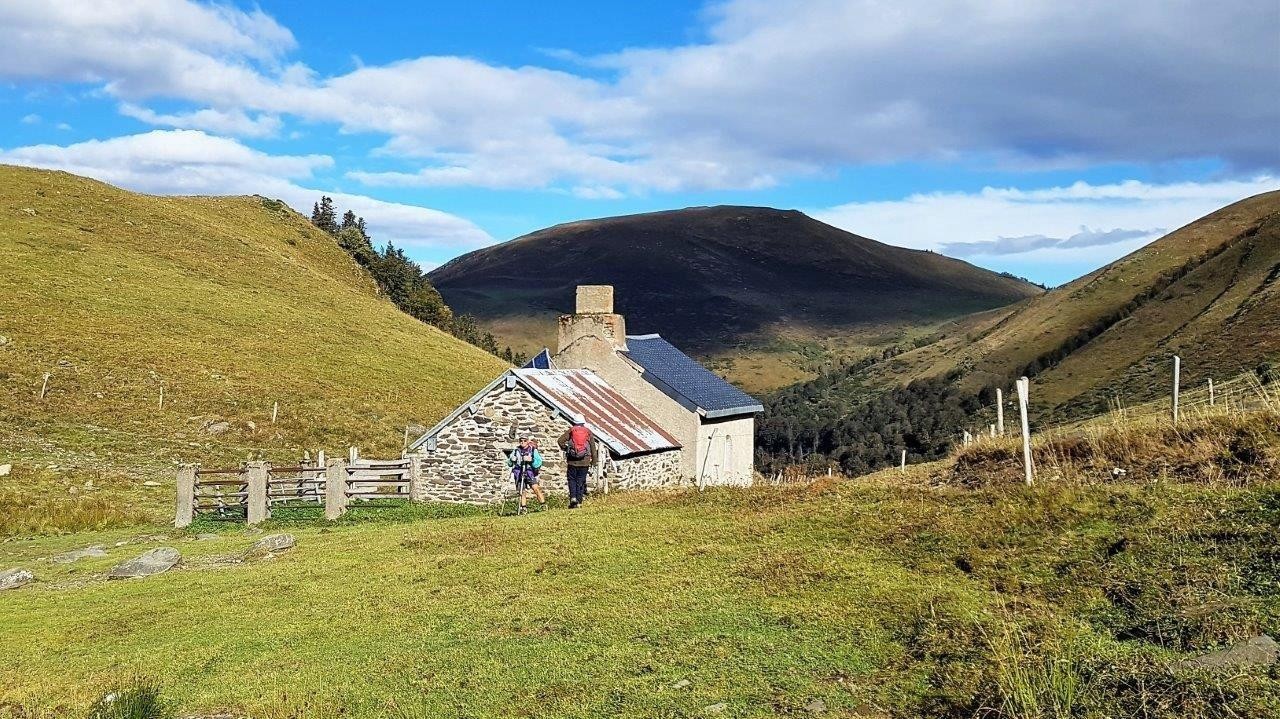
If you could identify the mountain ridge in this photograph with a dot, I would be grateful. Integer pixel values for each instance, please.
(719, 280)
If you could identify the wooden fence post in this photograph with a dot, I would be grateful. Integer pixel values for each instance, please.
(1024, 390)
(275, 409)
(44, 388)
(335, 489)
(161, 396)
(256, 502)
(186, 496)
(1000, 411)
(903, 467)
(1177, 378)
(1210, 391)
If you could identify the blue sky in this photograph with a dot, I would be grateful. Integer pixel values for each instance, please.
(1044, 139)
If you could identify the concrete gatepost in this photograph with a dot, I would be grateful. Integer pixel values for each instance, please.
(256, 502)
(335, 489)
(415, 476)
(186, 495)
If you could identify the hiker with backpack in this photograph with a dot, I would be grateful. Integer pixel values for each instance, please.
(525, 462)
(580, 455)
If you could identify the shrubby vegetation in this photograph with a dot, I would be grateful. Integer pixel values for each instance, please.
(402, 279)
(832, 420)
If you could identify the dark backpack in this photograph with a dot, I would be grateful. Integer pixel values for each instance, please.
(579, 446)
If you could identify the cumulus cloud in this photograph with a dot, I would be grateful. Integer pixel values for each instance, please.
(192, 162)
(1049, 224)
(780, 88)
(31, 119)
(234, 122)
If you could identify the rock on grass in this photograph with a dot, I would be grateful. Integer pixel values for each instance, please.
(14, 578)
(155, 561)
(270, 544)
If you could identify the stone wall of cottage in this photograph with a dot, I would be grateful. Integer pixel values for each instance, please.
(468, 463)
(647, 471)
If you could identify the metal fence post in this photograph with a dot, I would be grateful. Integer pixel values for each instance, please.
(335, 489)
(256, 502)
(186, 496)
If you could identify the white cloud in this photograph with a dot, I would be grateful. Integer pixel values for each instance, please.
(781, 88)
(233, 122)
(192, 162)
(31, 119)
(1049, 225)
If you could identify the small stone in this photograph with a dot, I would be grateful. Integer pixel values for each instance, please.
(817, 706)
(5, 469)
(30, 211)
(155, 561)
(1261, 650)
(681, 684)
(76, 555)
(14, 578)
(252, 424)
(122, 542)
(3, 340)
(717, 708)
(151, 483)
(217, 427)
(270, 544)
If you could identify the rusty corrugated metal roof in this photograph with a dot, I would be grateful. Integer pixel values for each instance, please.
(610, 416)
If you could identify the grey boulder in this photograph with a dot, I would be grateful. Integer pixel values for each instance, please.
(270, 544)
(14, 578)
(1261, 650)
(155, 561)
(74, 556)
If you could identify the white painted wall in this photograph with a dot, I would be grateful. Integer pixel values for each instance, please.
(726, 452)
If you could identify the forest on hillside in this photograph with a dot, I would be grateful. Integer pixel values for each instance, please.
(402, 280)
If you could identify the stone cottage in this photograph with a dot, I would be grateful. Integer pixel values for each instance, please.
(712, 421)
(463, 458)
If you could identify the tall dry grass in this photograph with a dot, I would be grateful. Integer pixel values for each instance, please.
(1235, 440)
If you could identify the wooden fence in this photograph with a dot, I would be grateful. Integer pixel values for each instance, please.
(249, 492)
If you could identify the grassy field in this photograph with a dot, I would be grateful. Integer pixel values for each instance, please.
(230, 305)
(952, 591)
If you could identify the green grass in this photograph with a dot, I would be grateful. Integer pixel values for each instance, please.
(878, 599)
(230, 304)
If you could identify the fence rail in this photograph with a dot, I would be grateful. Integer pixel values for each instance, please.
(257, 487)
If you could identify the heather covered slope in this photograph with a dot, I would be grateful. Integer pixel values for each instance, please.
(231, 304)
(722, 282)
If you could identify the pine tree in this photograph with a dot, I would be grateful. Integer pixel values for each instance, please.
(324, 216)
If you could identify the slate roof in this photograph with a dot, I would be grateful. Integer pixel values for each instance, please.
(612, 418)
(542, 360)
(687, 381)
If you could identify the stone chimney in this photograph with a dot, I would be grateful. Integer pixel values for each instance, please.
(593, 317)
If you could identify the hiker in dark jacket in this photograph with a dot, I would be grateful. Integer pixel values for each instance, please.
(580, 454)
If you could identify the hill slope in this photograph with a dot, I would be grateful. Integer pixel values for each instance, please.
(712, 278)
(1208, 292)
(230, 303)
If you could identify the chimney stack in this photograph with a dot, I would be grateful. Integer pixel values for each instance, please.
(593, 317)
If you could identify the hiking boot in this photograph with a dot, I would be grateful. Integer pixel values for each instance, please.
(573, 504)
(522, 510)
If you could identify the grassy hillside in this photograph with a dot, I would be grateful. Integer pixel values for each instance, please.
(952, 591)
(229, 304)
(769, 294)
(1209, 292)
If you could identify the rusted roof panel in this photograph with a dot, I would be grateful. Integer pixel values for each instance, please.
(610, 416)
